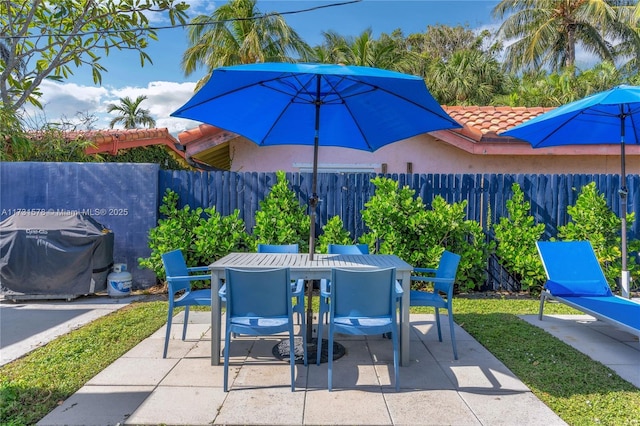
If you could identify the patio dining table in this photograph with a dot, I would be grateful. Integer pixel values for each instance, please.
(301, 267)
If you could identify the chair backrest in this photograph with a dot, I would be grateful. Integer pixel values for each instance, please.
(175, 266)
(278, 248)
(364, 293)
(348, 249)
(258, 293)
(447, 268)
(572, 269)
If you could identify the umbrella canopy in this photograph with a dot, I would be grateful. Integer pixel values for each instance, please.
(317, 104)
(609, 117)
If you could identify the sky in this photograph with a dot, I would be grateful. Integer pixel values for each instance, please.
(167, 88)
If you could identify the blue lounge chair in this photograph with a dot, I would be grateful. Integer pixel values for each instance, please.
(575, 278)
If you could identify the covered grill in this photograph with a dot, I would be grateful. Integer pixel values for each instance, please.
(53, 255)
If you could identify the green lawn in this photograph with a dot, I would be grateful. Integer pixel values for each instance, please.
(581, 391)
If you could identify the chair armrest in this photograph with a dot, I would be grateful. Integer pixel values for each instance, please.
(399, 290)
(434, 279)
(223, 291)
(425, 270)
(325, 288)
(198, 268)
(298, 290)
(190, 278)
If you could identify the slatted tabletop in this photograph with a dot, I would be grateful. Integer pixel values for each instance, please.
(301, 267)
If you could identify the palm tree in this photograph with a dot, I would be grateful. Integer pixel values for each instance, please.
(629, 47)
(546, 32)
(238, 33)
(468, 77)
(130, 113)
(362, 50)
(333, 50)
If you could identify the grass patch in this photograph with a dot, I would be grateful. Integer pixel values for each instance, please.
(34, 385)
(579, 390)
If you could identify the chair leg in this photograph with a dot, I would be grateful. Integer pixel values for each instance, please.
(186, 322)
(330, 360)
(292, 357)
(168, 333)
(227, 341)
(319, 342)
(300, 302)
(303, 329)
(396, 356)
(542, 299)
(320, 331)
(453, 336)
(438, 324)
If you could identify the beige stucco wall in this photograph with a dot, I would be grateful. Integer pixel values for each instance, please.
(427, 155)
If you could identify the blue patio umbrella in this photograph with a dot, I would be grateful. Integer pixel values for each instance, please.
(318, 105)
(609, 117)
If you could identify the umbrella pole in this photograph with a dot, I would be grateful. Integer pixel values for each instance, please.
(624, 284)
(313, 203)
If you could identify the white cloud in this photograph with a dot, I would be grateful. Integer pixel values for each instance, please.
(196, 7)
(201, 7)
(69, 99)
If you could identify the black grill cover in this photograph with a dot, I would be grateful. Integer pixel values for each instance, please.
(54, 254)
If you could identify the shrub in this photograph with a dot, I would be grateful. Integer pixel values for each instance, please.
(448, 228)
(399, 224)
(46, 145)
(217, 236)
(393, 218)
(593, 220)
(516, 237)
(203, 235)
(281, 219)
(156, 154)
(333, 233)
(175, 231)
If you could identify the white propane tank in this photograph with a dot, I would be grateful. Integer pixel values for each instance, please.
(119, 281)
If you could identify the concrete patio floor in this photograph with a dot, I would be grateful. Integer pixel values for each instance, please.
(600, 341)
(143, 388)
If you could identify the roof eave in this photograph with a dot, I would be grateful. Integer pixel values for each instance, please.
(492, 144)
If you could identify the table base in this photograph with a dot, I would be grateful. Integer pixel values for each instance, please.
(281, 350)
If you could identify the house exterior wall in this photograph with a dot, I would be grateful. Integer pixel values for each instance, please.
(426, 155)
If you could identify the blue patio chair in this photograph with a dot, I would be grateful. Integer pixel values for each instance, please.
(179, 279)
(575, 278)
(259, 304)
(287, 248)
(278, 248)
(338, 249)
(348, 249)
(361, 302)
(443, 279)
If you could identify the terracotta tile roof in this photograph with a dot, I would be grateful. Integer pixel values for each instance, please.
(111, 140)
(483, 123)
(209, 145)
(123, 135)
